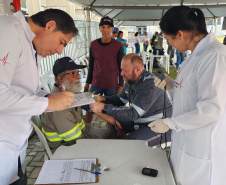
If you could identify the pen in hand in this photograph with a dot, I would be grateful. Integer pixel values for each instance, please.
(62, 88)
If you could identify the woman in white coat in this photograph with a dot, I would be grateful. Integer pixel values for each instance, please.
(198, 154)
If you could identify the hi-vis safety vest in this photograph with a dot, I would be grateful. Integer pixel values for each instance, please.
(67, 136)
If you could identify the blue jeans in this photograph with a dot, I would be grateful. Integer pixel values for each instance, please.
(137, 46)
(145, 47)
(180, 58)
(101, 91)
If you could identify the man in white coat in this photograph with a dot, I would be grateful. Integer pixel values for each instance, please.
(198, 155)
(23, 43)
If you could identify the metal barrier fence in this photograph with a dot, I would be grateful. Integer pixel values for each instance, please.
(76, 48)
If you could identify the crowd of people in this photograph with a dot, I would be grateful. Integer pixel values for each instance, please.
(132, 100)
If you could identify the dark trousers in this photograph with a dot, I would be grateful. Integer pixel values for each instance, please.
(23, 176)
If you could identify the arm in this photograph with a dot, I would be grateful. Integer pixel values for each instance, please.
(210, 107)
(119, 59)
(13, 101)
(90, 72)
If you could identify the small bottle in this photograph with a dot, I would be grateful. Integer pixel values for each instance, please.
(157, 52)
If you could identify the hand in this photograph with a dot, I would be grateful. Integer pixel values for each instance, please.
(86, 87)
(168, 82)
(119, 89)
(96, 107)
(98, 98)
(59, 101)
(160, 84)
(161, 125)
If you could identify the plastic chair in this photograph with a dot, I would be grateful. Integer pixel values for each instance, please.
(47, 82)
(43, 141)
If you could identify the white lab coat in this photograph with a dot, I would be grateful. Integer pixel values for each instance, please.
(198, 154)
(19, 93)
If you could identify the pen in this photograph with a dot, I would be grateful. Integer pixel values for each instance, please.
(94, 172)
(62, 88)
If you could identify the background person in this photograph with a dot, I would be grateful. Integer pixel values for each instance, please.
(137, 43)
(123, 41)
(146, 41)
(24, 42)
(152, 40)
(115, 33)
(199, 113)
(12, 8)
(105, 57)
(146, 102)
(180, 59)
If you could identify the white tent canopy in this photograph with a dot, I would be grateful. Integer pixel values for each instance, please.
(148, 12)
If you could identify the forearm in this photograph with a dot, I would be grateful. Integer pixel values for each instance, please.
(114, 100)
(122, 113)
(109, 119)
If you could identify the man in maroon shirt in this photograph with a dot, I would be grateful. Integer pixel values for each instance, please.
(104, 63)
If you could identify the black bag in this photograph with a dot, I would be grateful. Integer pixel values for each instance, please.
(156, 64)
(161, 51)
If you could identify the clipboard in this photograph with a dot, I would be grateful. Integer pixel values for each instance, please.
(45, 174)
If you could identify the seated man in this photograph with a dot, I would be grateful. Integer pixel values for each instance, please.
(66, 126)
(146, 102)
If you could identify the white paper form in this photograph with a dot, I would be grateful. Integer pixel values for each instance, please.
(62, 171)
(82, 99)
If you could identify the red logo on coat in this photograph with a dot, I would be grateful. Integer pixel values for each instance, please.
(179, 84)
(4, 59)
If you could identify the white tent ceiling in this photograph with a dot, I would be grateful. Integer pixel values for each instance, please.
(148, 12)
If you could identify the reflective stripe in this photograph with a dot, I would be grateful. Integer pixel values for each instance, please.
(124, 100)
(156, 40)
(51, 136)
(149, 119)
(161, 36)
(67, 136)
(140, 111)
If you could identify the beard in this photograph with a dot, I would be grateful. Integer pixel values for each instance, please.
(75, 87)
(132, 80)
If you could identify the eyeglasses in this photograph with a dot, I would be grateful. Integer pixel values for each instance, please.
(74, 73)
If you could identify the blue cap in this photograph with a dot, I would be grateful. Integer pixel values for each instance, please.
(116, 30)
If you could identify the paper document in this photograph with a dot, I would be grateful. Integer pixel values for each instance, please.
(82, 99)
(63, 171)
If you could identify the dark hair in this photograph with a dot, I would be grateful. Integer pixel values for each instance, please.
(183, 18)
(64, 22)
(136, 33)
(120, 32)
(13, 4)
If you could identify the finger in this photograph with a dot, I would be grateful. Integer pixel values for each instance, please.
(162, 84)
(157, 82)
(152, 124)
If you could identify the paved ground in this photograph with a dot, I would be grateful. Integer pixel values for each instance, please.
(35, 153)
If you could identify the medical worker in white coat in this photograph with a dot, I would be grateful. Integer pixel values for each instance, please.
(23, 43)
(198, 154)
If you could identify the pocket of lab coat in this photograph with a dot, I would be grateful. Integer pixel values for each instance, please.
(197, 142)
(193, 170)
(9, 163)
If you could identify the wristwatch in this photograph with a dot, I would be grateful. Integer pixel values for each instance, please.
(104, 110)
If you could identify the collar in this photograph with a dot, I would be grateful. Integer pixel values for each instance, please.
(210, 37)
(30, 35)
